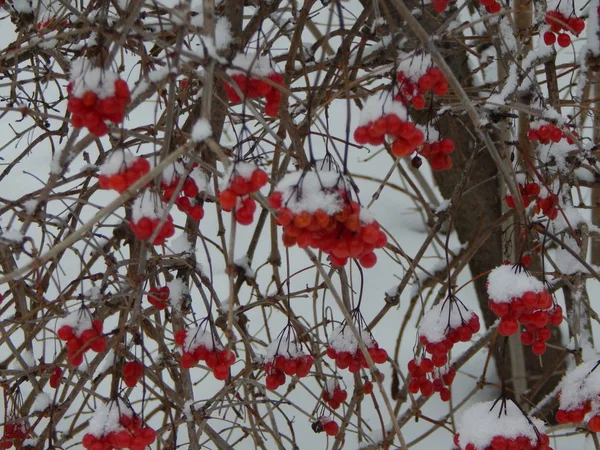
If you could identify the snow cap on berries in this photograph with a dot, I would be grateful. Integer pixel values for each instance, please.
(291, 349)
(107, 418)
(86, 77)
(479, 424)
(147, 204)
(414, 65)
(251, 64)
(440, 318)
(342, 339)
(200, 336)
(381, 104)
(79, 321)
(115, 162)
(579, 385)
(504, 284)
(311, 191)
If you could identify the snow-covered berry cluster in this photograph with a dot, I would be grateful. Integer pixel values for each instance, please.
(186, 200)
(82, 333)
(438, 154)
(427, 379)
(579, 396)
(146, 215)
(334, 395)
(95, 97)
(121, 169)
(315, 211)
(14, 434)
(383, 117)
(158, 297)
(248, 75)
(482, 427)
(285, 357)
(517, 297)
(344, 350)
(243, 180)
(56, 377)
(561, 25)
(115, 426)
(198, 344)
(416, 77)
(444, 325)
(132, 372)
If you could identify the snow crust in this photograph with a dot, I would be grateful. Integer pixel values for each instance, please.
(504, 284)
(41, 403)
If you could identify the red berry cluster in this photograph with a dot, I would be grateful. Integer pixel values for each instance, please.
(412, 89)
(158, 297)
(491, 6)
(257, 88)
(425, 378)
(80, 341)
(217, 359)
(546, 133)
(438, 154)
(354, 361)
(560, 27)
(505, 443)
(56, 377)
(14, 434)
(235, 197)
(326, 424)
(92, 112)
(186, 200)
(132, 372)
(130, 172)
(579, 394)
(341, 235)
(528, 191)
(282, 365)
(407, 137)
(547, 206)
(133, 436)
(144, 229)
(334, 395)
